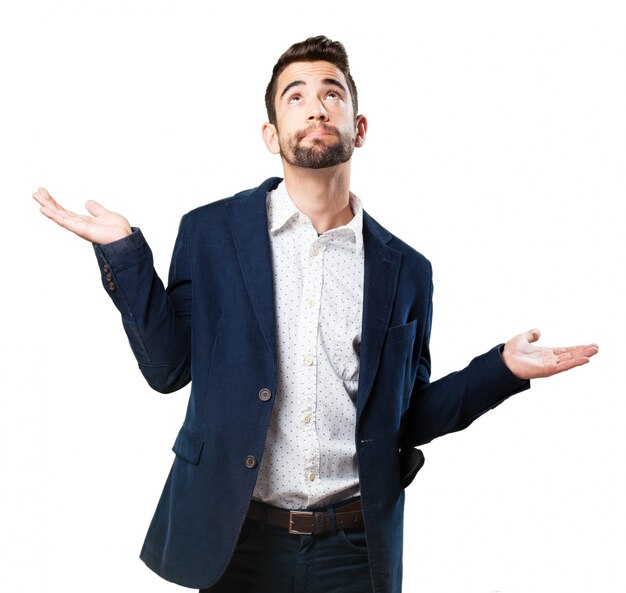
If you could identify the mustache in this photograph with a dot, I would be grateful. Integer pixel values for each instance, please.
(327, 128)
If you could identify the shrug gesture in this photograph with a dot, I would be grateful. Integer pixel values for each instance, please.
(522, 357)
(102, 227)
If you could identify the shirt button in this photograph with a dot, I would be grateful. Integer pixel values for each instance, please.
(310, 302)
(265, 394)
(311, 476)
(315, 251)
(308, 360)
(307, 419)
(250, 462)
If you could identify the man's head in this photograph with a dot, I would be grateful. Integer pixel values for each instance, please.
(311, 102)
(313, 49)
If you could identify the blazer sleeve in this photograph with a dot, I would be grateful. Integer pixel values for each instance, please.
(157, 321)
(453, 402)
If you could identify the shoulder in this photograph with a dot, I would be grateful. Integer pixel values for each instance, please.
(216, 212)
(411, 258)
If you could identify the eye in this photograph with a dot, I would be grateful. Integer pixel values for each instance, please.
(332, 95)
(294, 99)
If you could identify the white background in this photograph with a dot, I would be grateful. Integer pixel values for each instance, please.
(497, 148)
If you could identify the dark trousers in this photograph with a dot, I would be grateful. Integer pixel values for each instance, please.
(270, 560)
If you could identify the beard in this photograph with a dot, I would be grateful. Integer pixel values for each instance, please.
(320, 154)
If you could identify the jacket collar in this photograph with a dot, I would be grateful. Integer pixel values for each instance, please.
(382, 267)
(248, 219)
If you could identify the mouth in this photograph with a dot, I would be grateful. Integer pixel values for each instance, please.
(317, 132)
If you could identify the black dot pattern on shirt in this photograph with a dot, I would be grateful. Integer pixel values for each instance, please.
(310, 456)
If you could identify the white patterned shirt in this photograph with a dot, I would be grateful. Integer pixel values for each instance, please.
(310, 452)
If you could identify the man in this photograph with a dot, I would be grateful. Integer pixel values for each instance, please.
(303, 326)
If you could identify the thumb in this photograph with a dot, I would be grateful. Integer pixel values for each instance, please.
(95, 208)
(532, 335)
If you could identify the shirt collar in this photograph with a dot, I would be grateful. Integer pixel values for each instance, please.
(281, 211)
(356, 224)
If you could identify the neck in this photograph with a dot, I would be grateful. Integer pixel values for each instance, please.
(322, 194)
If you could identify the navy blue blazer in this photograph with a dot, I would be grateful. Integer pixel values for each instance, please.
(214, 325)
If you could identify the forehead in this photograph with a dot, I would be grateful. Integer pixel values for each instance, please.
(309, 72)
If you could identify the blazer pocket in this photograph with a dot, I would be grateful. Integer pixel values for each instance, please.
(188, 445)
(399, 333)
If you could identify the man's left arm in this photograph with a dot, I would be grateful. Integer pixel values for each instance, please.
(453, 402)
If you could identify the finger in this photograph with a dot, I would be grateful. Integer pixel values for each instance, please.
(46, 194)
(53, 215)
(45, 199)
(48, 212)
(566, 365)
(75, 224)
(563, 349)
(60, 213)
(95, 208)
(39, 199)
(532, 335)
(585, 350)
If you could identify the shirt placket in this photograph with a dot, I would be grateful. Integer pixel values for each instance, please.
(307, 350)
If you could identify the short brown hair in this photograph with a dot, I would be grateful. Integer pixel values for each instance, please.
(313, 49)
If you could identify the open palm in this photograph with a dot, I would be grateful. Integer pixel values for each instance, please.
(103, 226)
(528, 361)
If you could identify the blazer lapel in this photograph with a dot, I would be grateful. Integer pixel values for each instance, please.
(248, 218)
(382, 265)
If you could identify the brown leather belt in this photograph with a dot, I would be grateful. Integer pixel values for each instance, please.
(349, 516)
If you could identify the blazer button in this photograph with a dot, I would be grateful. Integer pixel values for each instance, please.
(250, 462)
(265, 394)
(112, 286)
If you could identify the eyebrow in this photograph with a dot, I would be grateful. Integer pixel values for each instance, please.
(329, 81)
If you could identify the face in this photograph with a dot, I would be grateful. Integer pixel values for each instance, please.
(316, 126)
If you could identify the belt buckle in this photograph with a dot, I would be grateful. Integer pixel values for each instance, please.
(293, 514)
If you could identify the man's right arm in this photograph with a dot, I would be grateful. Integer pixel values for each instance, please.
(156, 321)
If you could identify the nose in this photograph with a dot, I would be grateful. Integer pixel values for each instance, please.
(318, 112)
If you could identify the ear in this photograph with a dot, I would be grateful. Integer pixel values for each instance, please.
(361, 130)
(270, 137)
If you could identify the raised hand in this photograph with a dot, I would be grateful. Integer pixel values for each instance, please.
(102, 227)
(527, 361)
